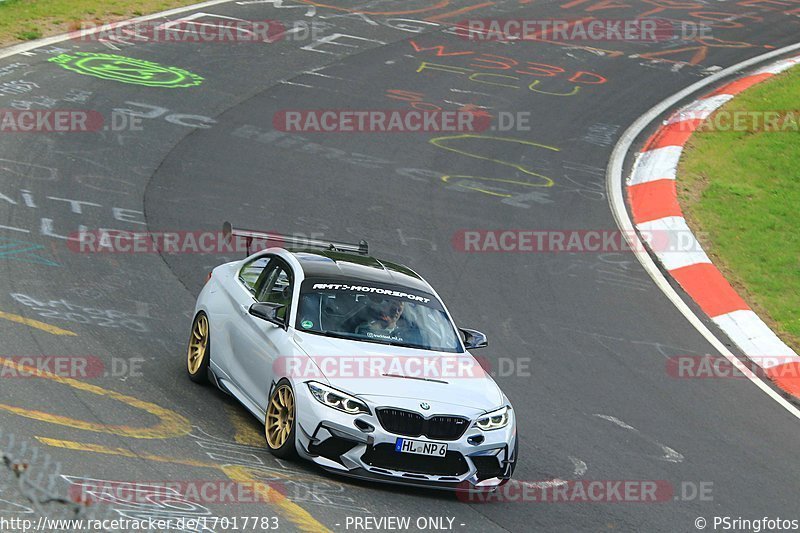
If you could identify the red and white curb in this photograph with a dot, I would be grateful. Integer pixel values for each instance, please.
(654, 206)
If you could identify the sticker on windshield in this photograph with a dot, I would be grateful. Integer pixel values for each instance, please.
(372, 335)
(307, 324)
(373, 290)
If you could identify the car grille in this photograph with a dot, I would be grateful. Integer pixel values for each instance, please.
(385, 456)
(410, 424)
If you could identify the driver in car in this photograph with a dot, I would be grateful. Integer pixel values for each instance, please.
(385, 324)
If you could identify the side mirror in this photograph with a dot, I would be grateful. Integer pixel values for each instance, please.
(269, 312)
(474, 339)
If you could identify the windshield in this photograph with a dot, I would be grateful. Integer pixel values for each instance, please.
(377, 314)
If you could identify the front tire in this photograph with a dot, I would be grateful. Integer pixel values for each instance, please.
(281, 421)
(199, 352)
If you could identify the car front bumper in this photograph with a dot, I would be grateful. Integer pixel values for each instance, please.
(359, 446)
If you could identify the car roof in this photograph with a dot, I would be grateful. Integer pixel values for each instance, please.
(335, 265)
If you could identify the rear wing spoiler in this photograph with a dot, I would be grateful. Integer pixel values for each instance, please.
(260, 240)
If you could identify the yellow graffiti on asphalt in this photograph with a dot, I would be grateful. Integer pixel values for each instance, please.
(170, 423)
(36, 324)
(122, 452)
(243, 474)
(542, 180)
(290, 510)
(242, 425)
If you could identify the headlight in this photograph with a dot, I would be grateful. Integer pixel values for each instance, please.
(337, 399)
(494, 420)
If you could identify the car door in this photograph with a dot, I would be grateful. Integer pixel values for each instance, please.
(257, 343)
(225, 309)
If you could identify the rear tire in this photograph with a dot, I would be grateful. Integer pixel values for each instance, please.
(199, 351)
(281, 421)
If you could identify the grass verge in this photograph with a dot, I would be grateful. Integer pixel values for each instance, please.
(740, 192)
(23, 20)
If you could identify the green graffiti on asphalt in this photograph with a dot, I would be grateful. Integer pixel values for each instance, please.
(127, 70)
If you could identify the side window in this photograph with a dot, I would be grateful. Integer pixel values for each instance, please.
(250, 272)
(275, 286)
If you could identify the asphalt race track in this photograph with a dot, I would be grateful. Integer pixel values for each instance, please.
(578, 341)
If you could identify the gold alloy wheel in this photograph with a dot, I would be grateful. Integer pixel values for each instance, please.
(280, 416)
(198, 344)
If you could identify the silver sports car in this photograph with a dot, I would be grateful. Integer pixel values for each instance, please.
(353, 363)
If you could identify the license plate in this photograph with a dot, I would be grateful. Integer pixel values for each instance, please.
(435, 449)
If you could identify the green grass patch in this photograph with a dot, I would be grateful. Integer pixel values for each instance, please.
(740, 192)
(29, 35)
(22, 20)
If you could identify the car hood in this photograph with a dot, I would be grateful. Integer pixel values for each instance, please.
(402, 377)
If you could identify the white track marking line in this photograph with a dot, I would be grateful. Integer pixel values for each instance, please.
(700, 109)
(616, 200)
(670, 455)
(543, 484)
(26, 47)
(656, 164)
(580, 466)
(683, 249)
(616, 421)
